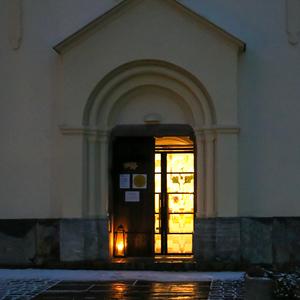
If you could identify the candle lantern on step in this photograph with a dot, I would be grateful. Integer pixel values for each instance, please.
(120, 242)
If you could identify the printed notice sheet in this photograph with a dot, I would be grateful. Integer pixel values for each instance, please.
(124, 181)
(132, 196)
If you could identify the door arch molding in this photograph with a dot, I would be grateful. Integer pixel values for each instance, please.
(109, 93)
(108, 105)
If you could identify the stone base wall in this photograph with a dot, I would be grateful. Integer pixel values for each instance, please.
(36, 243)
(29, 243)
(254, 240)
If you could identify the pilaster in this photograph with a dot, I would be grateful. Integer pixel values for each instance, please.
(15, 23)
(92, 208)
(293, 20)
(103, 205)
(200, 195)
(210, 209)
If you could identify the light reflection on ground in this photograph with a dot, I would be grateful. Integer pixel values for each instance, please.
(142, 289)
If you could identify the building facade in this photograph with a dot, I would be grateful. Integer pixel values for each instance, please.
(174, 121)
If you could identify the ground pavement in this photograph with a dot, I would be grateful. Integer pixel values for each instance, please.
(129, 285)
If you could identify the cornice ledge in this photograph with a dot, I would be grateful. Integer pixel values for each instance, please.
(220, 128)
(71, 130)
(229, 129)
(82, 130)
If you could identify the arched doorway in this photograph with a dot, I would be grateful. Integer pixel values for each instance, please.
(147, 97)
(153, 188)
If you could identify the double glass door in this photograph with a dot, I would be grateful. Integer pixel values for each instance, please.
(174, 201)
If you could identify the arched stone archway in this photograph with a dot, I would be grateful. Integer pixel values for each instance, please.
(138, 78)
(128, 96)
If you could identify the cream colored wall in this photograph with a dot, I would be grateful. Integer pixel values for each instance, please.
(32, 101)
(31, 107)
(268, 95)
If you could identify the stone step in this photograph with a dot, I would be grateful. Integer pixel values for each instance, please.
(146, 264)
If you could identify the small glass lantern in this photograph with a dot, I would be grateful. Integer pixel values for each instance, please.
(120, 242)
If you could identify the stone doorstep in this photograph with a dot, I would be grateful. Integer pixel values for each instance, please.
(145, 264)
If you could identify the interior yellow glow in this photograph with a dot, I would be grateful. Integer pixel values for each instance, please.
(180, 202)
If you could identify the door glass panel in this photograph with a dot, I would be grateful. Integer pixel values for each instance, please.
(183, 203)
(180, 162)
(157, 203)
(158, 162)
(157, 223)
(181, 223)
(180, 183)
(180, 243)
(157, 183)
(157, 243)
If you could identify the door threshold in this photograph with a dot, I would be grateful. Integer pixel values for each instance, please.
(167, 257)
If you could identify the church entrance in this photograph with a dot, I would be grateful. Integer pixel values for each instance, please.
(153, 194)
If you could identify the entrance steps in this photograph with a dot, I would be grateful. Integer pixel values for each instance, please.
(152, 264)
(158, 264)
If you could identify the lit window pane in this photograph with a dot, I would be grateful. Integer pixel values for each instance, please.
(157, 183)
(181, 223)
(157, 223)
(180, 183)
(157, 163)
(157, 243)
(180, 162)
(183, 203)
(157, 196)
(180, 243)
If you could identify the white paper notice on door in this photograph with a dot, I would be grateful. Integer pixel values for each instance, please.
(124, 181)
(132, 196)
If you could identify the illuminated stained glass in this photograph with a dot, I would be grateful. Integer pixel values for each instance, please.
(180, 243)
(157, 223)
(180, 162)
(179, 209)
(157, 243)
(157, 203)
(157, 163)
(183, 203)
(177, 183)
(157, 183)
(181, 223)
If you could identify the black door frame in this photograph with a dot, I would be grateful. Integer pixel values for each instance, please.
(155, 130)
